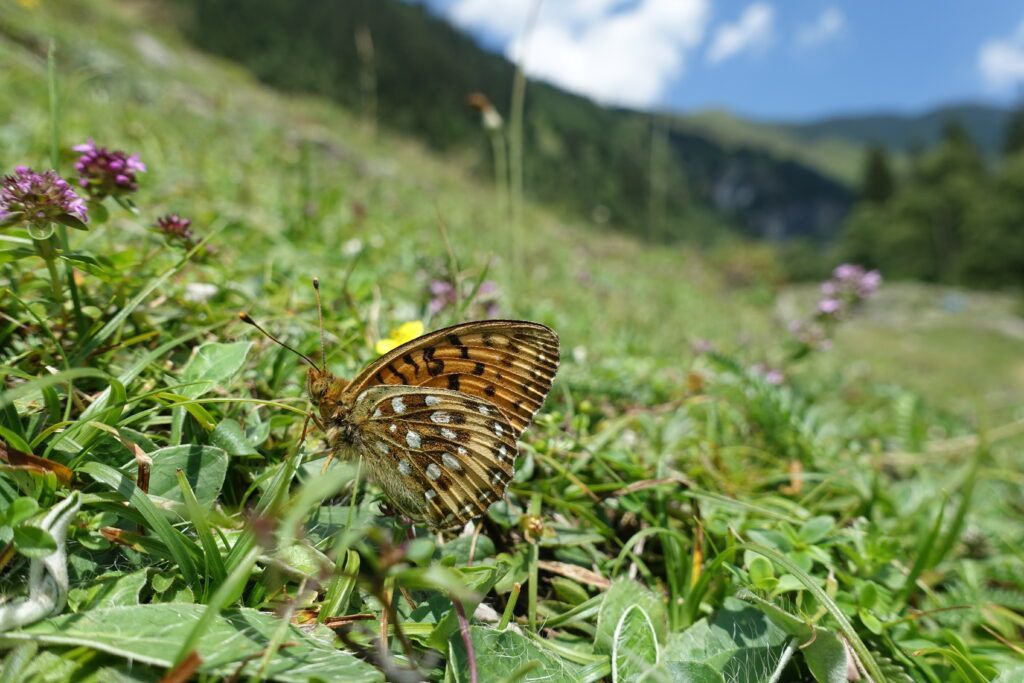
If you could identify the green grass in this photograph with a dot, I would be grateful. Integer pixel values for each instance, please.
(668, 506)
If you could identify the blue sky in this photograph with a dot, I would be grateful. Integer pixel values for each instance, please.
(781, 59)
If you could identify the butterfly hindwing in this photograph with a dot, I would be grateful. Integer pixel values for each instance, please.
(508, 363)
(442, 456)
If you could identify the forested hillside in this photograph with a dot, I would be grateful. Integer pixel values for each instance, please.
(647, 175)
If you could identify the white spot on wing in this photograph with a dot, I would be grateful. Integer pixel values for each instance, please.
(496, 478)
(398, 404)
(433, 471)
(393, 427)
(451, 461)
(497, 428)
(404, 468)
(502, 452)
(462, 450)
(377, 413)
(440, 417)
(484, 410)
(413, 439)
(449, 434)
(381, 447)
(431, 400)
(430, 494)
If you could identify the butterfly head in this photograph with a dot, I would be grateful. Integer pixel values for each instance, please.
(322, 386)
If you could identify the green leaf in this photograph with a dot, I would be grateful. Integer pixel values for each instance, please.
(826, 657)
(635, 646)
(31, 541)
(762, 575)
(204, 468)
(500, 653)
(71, 221)
(213, 364)
(479, 580)
(21, 509)
(153, 634)
(622, 595)
(815, 529)
(738, 641)
(181, 548)
(109, 591)
(230, 436)
(692, 672)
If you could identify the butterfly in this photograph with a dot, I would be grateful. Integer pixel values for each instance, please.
(437, 419)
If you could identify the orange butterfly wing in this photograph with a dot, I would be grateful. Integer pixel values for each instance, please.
(509, 363)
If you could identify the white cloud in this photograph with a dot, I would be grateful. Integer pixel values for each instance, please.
(752, 32)
(826, 27)
(616, 52)
(1001, 60)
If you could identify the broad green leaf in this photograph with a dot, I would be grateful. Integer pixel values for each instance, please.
(109, 591)
(623, 594)
(826, 657)
(635, 646)
(153, 634)
(230, 436)
(21, 509)
(479, 580)
(692, 672)
(31, 541)
(500, 653)
(213, 364)
(738, 641)
(204, 468)
(815, 529)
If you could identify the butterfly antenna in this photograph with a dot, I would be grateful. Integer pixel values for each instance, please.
(246, 318)
(320, 317)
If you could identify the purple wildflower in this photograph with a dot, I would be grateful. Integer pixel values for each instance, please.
(442, 295)
(38, 198)
(107, 172)
(830, 306)
(487, 296)
(869, 283)
(175, 227)
(848, 272)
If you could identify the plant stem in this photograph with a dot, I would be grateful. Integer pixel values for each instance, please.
(516, 134)
(49, 255)
(62, 231)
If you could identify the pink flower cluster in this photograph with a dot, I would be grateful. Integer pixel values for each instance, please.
(175, 228)
(849, 285)
(105, 172)
(38, 198)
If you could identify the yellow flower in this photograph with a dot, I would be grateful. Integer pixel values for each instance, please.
(403, 333)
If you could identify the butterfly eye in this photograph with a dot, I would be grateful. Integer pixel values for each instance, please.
(317, 384)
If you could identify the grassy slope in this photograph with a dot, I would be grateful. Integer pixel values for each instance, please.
(232, 151)
(281, 179)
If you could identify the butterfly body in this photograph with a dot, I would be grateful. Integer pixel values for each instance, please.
(437, 419)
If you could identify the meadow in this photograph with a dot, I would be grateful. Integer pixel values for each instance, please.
(710, 493)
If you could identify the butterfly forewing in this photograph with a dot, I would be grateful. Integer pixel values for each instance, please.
(508, 363)
(442, 456)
